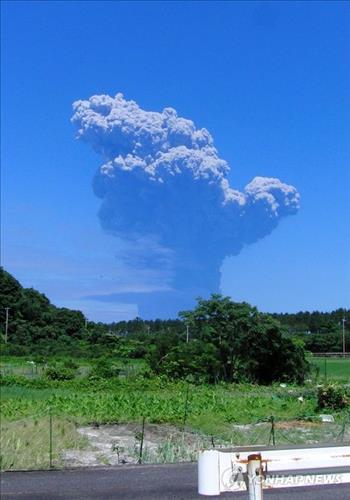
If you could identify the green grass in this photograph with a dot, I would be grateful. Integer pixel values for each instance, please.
(124, 400)
(334, 369)
(24, 366)
(25, 444)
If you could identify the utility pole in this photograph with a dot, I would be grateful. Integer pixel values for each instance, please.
(343, 320)
(187, 333)
(6, 322)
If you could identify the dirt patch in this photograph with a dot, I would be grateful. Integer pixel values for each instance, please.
(295, 424)
(120, 444)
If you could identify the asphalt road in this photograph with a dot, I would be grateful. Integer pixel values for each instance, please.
(153, 482)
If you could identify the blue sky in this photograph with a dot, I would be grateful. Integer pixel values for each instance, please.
(269, 80)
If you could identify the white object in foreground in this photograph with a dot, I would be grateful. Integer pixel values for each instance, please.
(228, 470)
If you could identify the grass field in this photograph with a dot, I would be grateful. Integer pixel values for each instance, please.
(336, 369)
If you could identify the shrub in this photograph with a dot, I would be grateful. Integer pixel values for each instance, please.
(332, 396)
(104, 369)
(70, 364)
(59, 373)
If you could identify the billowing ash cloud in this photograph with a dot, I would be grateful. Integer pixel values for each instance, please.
(162, 179)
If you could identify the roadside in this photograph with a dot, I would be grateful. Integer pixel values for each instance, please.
(146, 482)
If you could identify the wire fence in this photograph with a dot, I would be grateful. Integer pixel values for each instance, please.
(46, 441)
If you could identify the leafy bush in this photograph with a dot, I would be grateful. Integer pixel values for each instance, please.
(59, 373)
(21, 381)
(11, 349)
(332, 396)
(104, 369)
(71, 364)
(196, 359)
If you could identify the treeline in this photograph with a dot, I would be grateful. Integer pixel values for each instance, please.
(315, 322)
(319, 331)
(37, 326)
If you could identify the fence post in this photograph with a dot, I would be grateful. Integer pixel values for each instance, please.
(142, 436)
(186, 407)
(342, 432)
(272, 432)
(50, 437)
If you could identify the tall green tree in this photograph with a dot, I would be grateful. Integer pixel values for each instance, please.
(238, 343)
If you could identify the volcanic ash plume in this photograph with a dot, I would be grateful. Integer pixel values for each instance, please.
(162, 180)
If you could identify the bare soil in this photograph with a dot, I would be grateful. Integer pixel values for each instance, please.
(119, 444)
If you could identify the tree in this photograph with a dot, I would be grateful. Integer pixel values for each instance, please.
(232, 342)
(72, 322)
(269, 355)
(197, 359)
(223, 324)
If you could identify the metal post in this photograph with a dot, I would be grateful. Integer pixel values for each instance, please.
(142, 436)
(186, 407)
(187, 333)
(344, 351)
(272, 433)
(50, 437)
(255, 477)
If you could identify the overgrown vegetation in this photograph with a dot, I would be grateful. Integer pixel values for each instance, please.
(333, 397)
(57, 372)
(24, 444)
(157, 398)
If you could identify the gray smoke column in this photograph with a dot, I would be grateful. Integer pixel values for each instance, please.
(162, 180)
